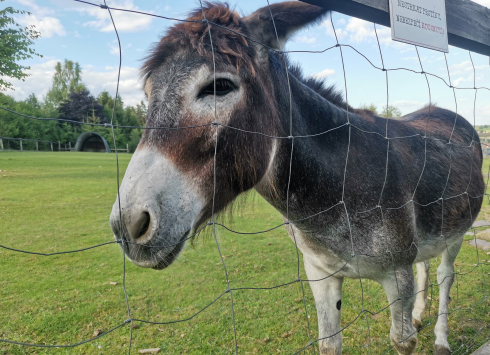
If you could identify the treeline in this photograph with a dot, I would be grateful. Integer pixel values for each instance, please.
(68, 98)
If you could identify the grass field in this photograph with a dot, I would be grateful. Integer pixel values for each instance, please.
(53, 202)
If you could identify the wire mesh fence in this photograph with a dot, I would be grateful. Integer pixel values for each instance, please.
(481, 268)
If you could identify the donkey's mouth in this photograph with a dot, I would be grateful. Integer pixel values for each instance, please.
(168, 259)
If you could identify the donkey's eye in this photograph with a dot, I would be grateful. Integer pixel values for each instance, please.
(223, 87)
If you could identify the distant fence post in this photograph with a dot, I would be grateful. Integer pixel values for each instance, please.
(69, 145)
(51, 146)
(21, 145)
(1, 143)
(65, 147)
(127, 148)
(37, 146)
(59, 146)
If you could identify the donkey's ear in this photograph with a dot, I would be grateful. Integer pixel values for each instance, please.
(289, 17)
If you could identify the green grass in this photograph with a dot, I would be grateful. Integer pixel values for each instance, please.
(53, 202)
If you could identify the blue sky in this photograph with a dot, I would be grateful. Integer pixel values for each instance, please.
(84, 33)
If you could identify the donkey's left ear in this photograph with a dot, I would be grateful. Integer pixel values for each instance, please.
(289, 17)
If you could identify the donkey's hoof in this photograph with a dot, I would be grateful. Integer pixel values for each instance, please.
(329, 351)
(417, 324)
(441, 350)
(406, 346)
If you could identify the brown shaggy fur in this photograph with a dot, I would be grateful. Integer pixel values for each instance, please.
(229, 47)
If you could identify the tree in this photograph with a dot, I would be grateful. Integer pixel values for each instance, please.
(82, 107)
(141, 112)
(104, 98)
(391, 112)
(67, 79)
(15, 42)
(370, 107)
(33, 101)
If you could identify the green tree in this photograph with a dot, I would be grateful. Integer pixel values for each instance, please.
(104, 98)
(141, 112)
(391, 112)
(33, 101)
(67, 79)
(15, 43)
(370, 107)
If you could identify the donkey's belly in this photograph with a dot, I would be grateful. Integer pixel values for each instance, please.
(431, 248)
(332, 262)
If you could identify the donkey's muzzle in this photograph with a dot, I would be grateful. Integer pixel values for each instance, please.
(136, 231)
(156, 208)
(133, 225)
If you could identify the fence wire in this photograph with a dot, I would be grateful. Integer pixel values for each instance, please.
(289, 223)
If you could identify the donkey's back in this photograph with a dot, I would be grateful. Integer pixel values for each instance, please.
(425, 166)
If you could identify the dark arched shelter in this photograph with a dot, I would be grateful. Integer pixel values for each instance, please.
(91, 142)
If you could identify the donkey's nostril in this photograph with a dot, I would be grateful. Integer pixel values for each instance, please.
(144, 225)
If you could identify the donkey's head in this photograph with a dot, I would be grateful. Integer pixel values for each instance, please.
(219, 85)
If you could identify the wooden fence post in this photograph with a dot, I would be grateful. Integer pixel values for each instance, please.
(51, 146)
(1, 143)
(37, 146)
(127, 148)
(59, 146)
(69, 145)
(21, 145)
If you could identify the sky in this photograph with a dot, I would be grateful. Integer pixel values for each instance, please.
(84, 33)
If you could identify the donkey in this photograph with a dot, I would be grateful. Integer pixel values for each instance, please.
(362, 196)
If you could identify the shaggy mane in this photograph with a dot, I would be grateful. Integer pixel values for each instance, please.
(229, 47)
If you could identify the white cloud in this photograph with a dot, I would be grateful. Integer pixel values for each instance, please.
(483, 2)
(129, 85)
(461, 79)
(95, 81)
(48, 26)
(327, 24)
(324, 73)
(35, 8)
(125, 21)
(358, 31)
(464, 67)
(407, 106)
(305, 39)
(38, 83)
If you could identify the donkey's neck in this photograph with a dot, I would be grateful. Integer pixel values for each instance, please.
(316, 154)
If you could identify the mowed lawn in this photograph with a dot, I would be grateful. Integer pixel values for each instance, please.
(51, 202)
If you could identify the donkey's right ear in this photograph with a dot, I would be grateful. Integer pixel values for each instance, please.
(289, 17)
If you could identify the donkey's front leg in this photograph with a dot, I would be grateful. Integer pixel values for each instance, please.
(399, 287)
(328, 299)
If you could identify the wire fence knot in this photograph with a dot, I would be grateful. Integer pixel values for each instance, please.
(104, 7)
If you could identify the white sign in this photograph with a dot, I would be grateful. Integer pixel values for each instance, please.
(420, 22)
